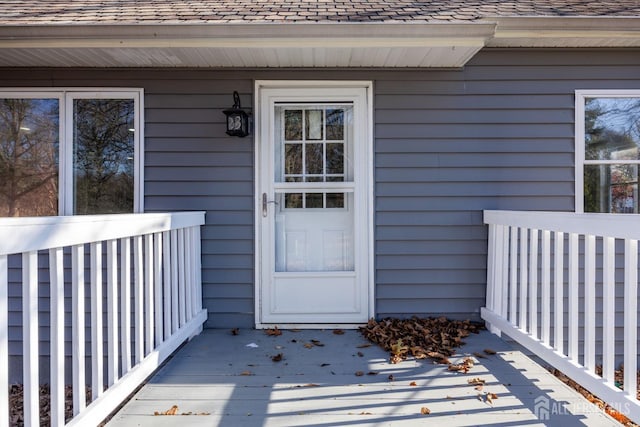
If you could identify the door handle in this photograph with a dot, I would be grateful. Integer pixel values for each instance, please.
(265, 204)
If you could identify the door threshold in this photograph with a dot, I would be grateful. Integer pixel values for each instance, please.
(285, 326)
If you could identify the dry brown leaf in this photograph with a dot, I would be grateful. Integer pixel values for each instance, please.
(277, 358)
(390, 377)
(425, 411)
(338, 332)
(413, 384)
(372, 373)
(324, 364)
(478, 355)
(365, 413)
(359, 373)
(360, 354)
(235, 331)
(317, 343)
(171, 411)
(308, 345)
(476, 381)
(364, 345)
(246, 373)
(274, 332)
(489, 351)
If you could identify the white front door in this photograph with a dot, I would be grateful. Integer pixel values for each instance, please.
(313, 219)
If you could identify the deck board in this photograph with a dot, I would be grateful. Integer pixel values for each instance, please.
(234, 385)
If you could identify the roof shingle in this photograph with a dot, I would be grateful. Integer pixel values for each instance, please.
(43, 12)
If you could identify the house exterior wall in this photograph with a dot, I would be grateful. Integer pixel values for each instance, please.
(497, 134)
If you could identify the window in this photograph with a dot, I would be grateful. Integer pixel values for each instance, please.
(607, 151)
(70, 152)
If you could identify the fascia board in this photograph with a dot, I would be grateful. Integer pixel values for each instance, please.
(246, 35)
(566, 32)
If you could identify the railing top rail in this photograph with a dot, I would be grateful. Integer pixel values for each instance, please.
(36, 233)
(620, 226)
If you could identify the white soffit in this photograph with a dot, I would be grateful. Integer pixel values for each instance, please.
(231, 45)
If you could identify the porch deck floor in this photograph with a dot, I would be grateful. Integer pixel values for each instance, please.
(228, 383)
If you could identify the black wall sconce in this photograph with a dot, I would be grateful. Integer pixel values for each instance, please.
(237, 119)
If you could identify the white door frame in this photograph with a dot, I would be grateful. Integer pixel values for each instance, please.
(260, 128)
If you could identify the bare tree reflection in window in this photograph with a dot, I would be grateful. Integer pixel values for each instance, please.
(103, 156)
(29, 157)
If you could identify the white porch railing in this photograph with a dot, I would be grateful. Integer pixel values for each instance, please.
(154, 256)
(540, 264)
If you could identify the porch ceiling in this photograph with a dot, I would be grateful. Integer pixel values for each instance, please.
(229, 45)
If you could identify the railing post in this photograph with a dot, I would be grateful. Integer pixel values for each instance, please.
(609, 309)
(546, 287)
(523, 278)
(78, 356)
(590, 302)
(97, 360)
(558, 291)
(572, 319)
(533, 284)
(630, 317)
(513, 276)
(125, 304)
(491, 279)
(112, 311)
(30, 338)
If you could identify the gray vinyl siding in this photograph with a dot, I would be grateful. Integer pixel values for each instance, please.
(497, 134)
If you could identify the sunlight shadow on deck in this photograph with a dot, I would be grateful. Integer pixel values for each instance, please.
(217, 374)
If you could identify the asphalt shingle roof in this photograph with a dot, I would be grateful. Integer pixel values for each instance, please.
(34, 12)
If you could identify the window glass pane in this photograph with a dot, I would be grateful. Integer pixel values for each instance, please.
(103, 155)
(313, 200)
(29, 141)
(335, 124)
(293, 125)
(611, 188)
(314, 124)
(293, 200)
(293, 159)
(612, 128)
(335, 158)
(313, 156)
(335, 200)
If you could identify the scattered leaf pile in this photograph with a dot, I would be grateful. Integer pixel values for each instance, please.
(16, 404)
(436, 338)
(619, 376)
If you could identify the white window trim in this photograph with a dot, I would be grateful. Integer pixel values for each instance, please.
(581, 96)
(65, 97)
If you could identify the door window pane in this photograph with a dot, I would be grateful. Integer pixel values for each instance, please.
(293, 159)
(335, 158)
(335, 124)
(29, 141)
(314, 125)
(293, 125)
(103, 155)
(313, 157)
